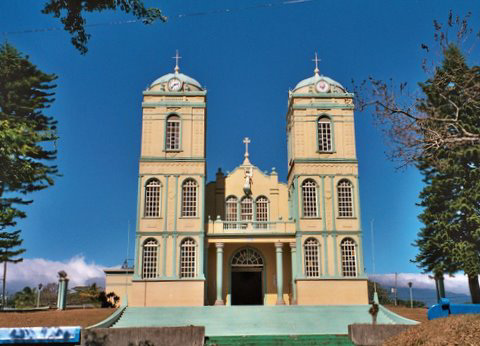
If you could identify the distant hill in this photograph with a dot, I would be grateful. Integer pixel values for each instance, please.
(427, 295)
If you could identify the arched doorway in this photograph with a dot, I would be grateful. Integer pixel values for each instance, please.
(247, 267)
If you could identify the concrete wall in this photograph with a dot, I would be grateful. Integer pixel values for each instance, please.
(164, 336)
(167, 293)
(332, 292)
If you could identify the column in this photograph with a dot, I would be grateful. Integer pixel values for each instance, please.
(279, 253)
(219, 300)
(335, 256)
(293, 251)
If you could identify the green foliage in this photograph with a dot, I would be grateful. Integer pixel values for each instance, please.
(9, 243)
(25, 132)
(74, 21)
(450, 238)
(25, 298)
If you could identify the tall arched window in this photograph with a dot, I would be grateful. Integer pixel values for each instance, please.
(345, 198)
(309, 196)
(324, 127)
(246, 211)
(262, 212)
(189, 198)
(231, 209)
(152, 198)
(311, 249)
(349, 262)
(172, 133)
(187, 258)
(149, 259)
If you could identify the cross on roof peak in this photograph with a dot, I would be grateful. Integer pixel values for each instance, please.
(176, 57)
(317, 60)
(246, 141)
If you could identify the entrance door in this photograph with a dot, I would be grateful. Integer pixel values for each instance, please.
(246, 277)
(247, 288)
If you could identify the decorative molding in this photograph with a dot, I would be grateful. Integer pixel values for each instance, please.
(173, 93)
(173, 104)
(171, 159)
(322, 106)
(324, 95)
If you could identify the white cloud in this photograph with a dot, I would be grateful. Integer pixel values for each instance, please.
(32, 272)
(456, 284)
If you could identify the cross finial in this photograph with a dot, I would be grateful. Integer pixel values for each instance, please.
(246, 141)
(317, 60)
(176, 57)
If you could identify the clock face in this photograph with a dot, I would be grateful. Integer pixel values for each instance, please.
(322, 86)
(174, 84)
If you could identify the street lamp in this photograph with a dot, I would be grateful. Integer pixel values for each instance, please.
(38, 294)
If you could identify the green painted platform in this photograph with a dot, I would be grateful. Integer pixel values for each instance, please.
(306, 340)
(258, 320)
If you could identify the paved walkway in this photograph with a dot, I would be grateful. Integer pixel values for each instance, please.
(258, 320)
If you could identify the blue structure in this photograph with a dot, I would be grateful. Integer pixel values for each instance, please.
(41, 335)
(445, 309)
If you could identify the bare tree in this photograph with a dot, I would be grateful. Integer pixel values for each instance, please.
(413, 129)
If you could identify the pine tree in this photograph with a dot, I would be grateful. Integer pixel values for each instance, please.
(9, 243)
(26, 139)
(450, 240)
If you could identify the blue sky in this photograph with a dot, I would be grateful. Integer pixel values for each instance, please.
(247, 59)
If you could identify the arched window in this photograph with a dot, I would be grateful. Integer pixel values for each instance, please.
(311, 249)
(187, 258)
(189, 198)
(231, 209)
(152, 198)
(246, 211)
(324, 127)
(309, 194)
(172, 133)
(262, 212)
(345, 198)
(349, 262)
(149, 259)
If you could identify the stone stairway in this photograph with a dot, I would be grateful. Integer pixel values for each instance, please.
(258, 320)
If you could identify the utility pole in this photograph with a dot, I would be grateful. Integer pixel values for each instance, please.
(396, 274)
(411, 297)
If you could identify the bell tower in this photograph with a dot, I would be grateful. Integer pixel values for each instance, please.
(323, 187)
(170, 235)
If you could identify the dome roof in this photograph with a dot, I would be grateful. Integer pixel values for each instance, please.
(315, 79)
(184, 78)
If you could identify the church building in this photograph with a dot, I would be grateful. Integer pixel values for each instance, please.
(246, 238)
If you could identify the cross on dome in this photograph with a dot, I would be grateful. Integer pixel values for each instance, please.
(317, 60)
(176, 57)
(246, 141)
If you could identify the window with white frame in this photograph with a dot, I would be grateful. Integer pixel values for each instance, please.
(262, 212)
(152, 198)
(311, 249)
(349, 262)
(345, 198)
(189, 198)
(172, 133)
(309, 197)
(246, 211)
(231, 209)
(324, 134)
(187, 258)
(149, 259)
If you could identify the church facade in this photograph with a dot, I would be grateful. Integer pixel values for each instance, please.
(246, 238)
